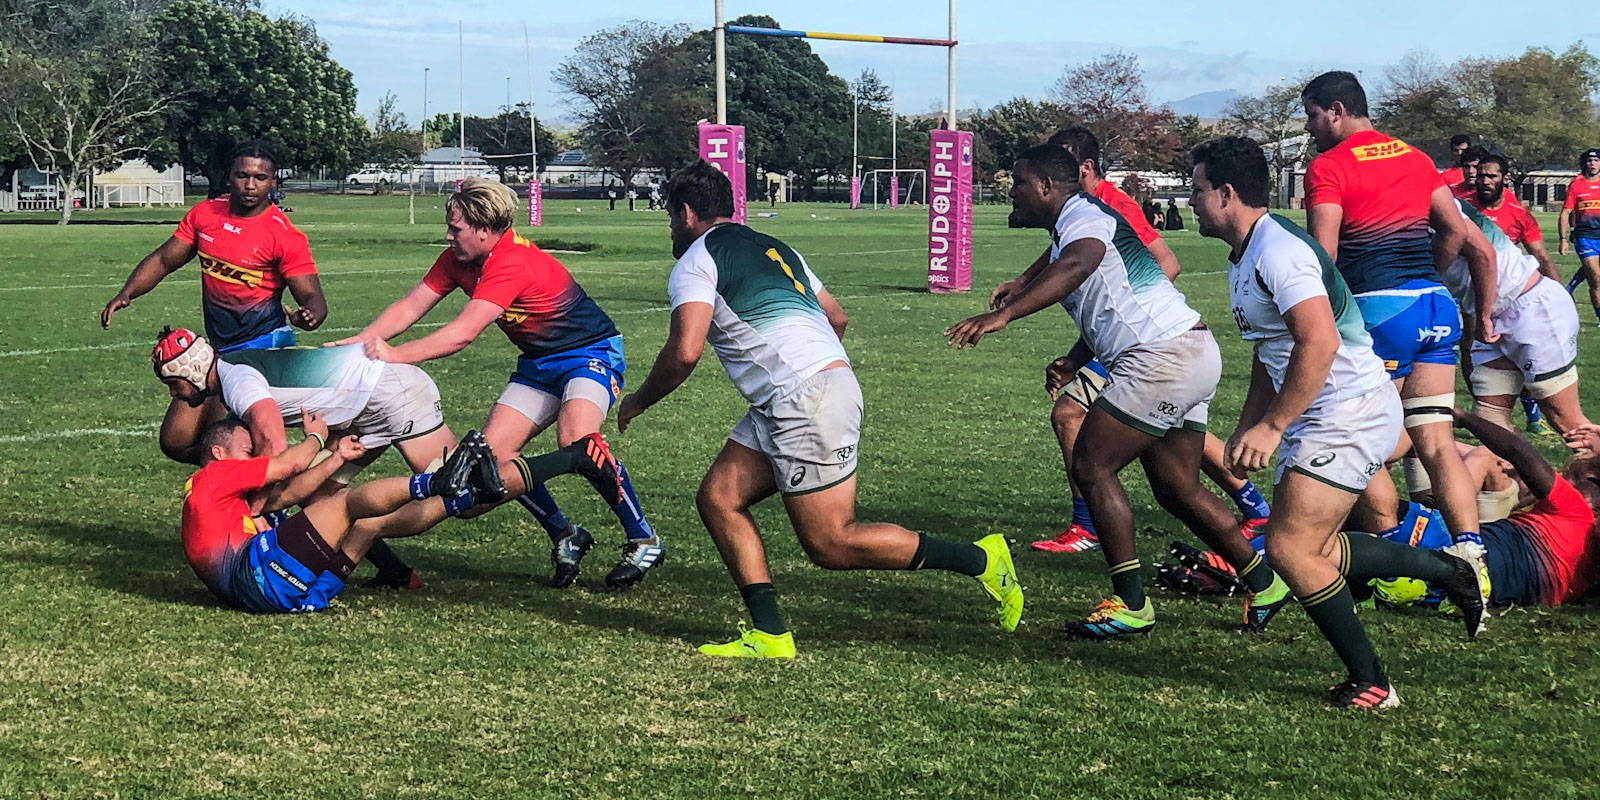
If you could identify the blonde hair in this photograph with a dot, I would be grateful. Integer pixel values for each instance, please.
(484, 204)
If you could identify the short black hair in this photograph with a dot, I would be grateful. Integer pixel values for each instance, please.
(1460, 139)
(1495, 158)
(1051, 161)
(1238, 162)
(1340, 87)
(217, 435)
(704, 189)
(253, 149)
(1082, 143)
(1474, 153)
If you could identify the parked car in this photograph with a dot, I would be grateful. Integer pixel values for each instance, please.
(372, 176)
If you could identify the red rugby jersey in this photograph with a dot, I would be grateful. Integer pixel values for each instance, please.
(1519, 226)
(1583, 196)
(244, 262)
(1385, 188)
(1109, 193)
(216, 516)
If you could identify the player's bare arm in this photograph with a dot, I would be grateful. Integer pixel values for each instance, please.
(837, 319)
(1563, 226)
(1078, 260)
(447, 341)
(265, 421)
(1002, 293)
(1316, 343)
(1165, 258)
(1541, 254)
(295, 459)
(300, 487)
(1453, 237)
(1322, 222)
(163, 261)
(673, 365)
(313, 306)
(400, 315)
(1531, 467)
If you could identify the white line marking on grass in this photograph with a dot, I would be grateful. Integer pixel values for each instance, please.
(44, 435)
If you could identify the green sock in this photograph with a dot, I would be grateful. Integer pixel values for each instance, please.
(1367, 557)
(935, 553)
(761, 599)
(1333, 611)
(1257, 575)
(1127, 584)
(538, 469)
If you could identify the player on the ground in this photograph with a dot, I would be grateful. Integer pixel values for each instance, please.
(301, 564)
(1074, 393)
(1371, 201)
(1536, 347)
(778, 333)
(1454, 174)
(568, 374)
(1163, 366)
(1321, 400)
(1580, 220)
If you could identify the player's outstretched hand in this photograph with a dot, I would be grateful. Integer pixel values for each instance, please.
(629, 408)
(301, 318)
(1251, 449)
(1584, 438)
(967, 332)
(1059, 373)
(117, 303)
(350, 448)
(311, 422)
(1003, 292)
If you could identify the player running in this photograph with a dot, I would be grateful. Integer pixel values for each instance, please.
(1371, 200)
(778, 333)
(569, 372)
(1321, 400)
(1074, 393)
(1163, 366)
(1580, 220)
(1536, 349)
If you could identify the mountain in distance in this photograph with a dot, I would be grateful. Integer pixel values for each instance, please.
(1206, 105)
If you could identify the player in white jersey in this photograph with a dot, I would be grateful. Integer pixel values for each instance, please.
(1538, 327)
(1163, 367)
(1322, 400)
(778, 333)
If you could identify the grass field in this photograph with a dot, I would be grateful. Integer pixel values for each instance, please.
(121, 677)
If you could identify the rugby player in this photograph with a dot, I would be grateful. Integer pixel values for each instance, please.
(1163, 366)
(1536, 347)
(1580, 220)
(568, 374)
(1459, 144)
(779, 334)
(1321, 400)
(1489, 197)
(1073, 394)
(302, 563)
(1371, 200)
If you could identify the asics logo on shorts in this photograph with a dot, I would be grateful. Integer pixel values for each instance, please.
(1437, 333)
(798, 476)
(1323, 460)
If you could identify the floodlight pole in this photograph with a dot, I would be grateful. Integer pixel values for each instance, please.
(461, 93)
(950, 95)
(722, 67)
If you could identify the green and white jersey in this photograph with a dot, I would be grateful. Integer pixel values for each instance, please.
(1280, 267)
(1128, 300)
(1514, 266)
(767, 325)
(335, 382)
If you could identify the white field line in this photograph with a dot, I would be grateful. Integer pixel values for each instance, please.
(40, 436)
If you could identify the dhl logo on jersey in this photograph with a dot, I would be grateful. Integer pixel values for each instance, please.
(1377, 152)
(513, 318)
(223, 271)
(1588, 205)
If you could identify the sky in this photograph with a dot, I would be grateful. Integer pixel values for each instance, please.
(1008, 48)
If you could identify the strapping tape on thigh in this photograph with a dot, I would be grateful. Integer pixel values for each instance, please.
(1549, 386)
(1429, 410)
(1487, 381)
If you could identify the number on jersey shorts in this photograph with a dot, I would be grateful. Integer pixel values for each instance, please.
(1417, 323)
(1343, 444)
(1169, 384)
(811, 435)
(1586, 247)
(1539, 333)
(404, 405)
(540, 385)
(1087, 385)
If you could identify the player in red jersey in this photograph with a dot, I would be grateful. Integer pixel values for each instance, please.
(569, 373)
(1371, 202)
(1073, 393)
(1489, 196)
(1459, 144)
(1580, 219)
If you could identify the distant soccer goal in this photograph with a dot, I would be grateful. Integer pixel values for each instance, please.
(900, 190)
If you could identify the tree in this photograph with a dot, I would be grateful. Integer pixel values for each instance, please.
(1004, 131)
(506, 134)
(390, 144)
(239, 75)
(1108, 95)
(1275, 118)
(1190, 134)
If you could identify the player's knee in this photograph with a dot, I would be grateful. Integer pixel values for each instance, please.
(714, 502)
(1087, 473)
(1066, 417)
(829, 550)
(1174, 498)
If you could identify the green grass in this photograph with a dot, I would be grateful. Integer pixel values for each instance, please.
(121, 677)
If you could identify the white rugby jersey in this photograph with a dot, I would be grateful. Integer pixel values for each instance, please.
(335, 382)
(1281, 267)
(1513, 265)
(1128, 300)
(767, 326)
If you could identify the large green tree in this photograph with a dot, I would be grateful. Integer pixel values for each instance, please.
(1003, 132)
(1108, 95)
(238, 75)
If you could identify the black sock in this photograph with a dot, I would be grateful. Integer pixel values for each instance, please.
(935, 553)
(382, 556)
(1333, 611)
(1367, 557)
(1256, 574)
(761, 600)
(536, 470)
(1125, 581)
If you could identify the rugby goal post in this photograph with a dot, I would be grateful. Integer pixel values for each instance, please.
(948, 183)
(916, 181)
